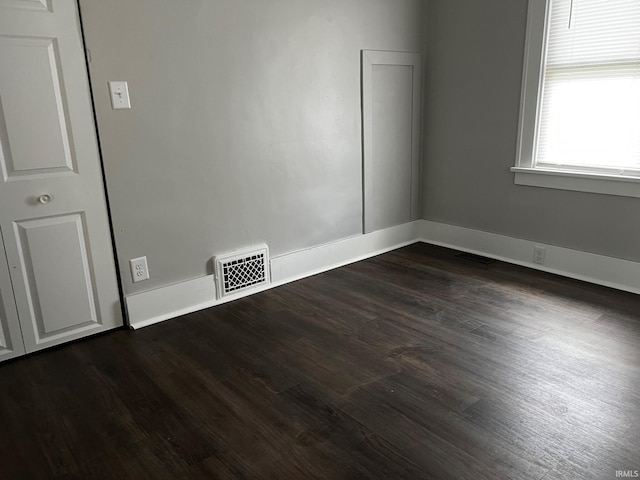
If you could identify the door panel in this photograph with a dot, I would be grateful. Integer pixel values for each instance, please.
(392, 99)
(391, 138)
(53, 218)
(11, 344)
(26, 4)
(53, 279)
(31, 86)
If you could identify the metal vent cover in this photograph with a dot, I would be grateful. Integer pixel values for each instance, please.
(240, 271)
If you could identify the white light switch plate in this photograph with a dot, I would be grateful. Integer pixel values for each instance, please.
(119, 95)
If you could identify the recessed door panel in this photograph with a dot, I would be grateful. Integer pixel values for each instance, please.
(34, 123)
(4, 341)
(58, 280)
(26, 4)
(391, 138)
(391, 155)
(11, 344)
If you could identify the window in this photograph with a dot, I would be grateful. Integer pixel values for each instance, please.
(580, 111)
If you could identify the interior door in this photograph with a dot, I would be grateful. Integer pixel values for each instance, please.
(53, 215)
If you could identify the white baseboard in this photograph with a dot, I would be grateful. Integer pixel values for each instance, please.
(163, 303)
(312, 261)
(154, 306)
(598, 269)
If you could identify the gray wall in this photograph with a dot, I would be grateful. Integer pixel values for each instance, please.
(245, 125)
(474, 62)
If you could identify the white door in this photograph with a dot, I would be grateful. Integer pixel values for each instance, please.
(53, 215)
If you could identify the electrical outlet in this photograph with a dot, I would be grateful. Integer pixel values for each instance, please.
(539, 254)
(139, 269)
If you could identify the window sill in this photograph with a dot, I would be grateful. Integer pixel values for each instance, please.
(578, 181)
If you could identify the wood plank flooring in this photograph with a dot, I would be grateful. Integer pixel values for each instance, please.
(414, 364)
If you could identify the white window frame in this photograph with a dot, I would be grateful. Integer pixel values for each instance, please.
(526, 173)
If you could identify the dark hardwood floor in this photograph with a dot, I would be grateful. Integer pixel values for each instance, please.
(414, 364)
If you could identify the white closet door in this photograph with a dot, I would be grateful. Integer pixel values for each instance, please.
(53, 217)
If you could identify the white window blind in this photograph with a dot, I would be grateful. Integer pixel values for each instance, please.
(589, 118)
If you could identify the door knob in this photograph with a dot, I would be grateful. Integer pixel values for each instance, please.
(44, 199)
